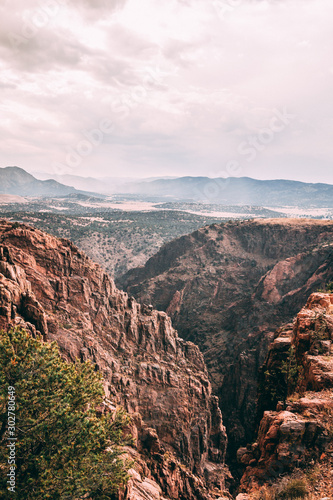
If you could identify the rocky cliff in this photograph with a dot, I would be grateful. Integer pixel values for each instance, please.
(47, 285)
(297, 432)
(227, 288)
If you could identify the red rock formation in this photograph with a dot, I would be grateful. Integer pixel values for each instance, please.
(47, 285)
(301, 432)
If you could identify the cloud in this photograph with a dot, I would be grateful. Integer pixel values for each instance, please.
(96, 10)
(182, 84)
(101, 4)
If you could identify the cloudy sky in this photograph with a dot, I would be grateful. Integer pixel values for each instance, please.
(168, 87)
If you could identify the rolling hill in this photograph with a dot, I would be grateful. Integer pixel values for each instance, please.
(16, 181)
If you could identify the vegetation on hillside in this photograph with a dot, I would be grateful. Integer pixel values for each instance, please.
(281, 381)
(116, 239)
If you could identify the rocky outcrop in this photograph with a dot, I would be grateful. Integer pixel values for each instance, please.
(299, 430)
(227, 288)
(49, 287)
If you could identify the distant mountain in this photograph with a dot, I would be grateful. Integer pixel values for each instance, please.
(230, 191)
(16, 181)
(104, 185)
(239, 191)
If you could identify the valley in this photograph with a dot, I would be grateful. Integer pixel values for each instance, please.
(122, 232)
(118, 240)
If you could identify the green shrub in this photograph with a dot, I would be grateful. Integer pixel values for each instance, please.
(279, 383)
(65, 448)
(295, 488)
(327, 288)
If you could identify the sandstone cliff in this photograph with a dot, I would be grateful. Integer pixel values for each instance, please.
(47, 285)
(298, 433)
(227, 288)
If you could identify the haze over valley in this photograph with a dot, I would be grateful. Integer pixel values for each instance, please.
(122, 230)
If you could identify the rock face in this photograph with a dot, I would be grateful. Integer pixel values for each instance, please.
(47, 285)
(300, 430)
(227, 288)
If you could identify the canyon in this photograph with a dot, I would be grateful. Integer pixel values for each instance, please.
(227, 288)
(246, 294)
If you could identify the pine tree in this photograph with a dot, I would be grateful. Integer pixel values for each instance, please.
(281, 381)
(65, 448)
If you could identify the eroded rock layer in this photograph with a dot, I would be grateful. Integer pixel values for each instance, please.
(297, 432)
(47, 285)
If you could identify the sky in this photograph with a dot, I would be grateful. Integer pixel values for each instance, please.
(143, 88)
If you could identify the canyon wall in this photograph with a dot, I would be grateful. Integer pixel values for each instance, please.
(296, 400)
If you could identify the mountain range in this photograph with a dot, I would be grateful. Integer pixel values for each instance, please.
(16, 181)
(239, 191)
(230, 191)
(104, 185)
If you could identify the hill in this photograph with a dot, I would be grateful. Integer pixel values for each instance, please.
(16, 181)
(227, 288)
(239, 191)
(6, 199)
(115, 239)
